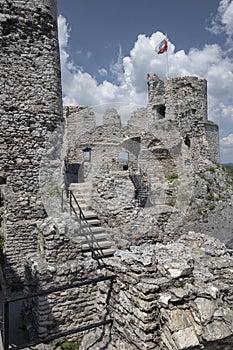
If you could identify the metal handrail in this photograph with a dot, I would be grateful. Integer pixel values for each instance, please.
(6, 307)
(141, 192)
(85, 229)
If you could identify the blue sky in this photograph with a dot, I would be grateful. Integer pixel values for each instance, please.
(107, 48)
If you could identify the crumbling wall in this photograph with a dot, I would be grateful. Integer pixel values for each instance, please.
(30, 114)
(171, 296)
(212, 134)
(60, 263)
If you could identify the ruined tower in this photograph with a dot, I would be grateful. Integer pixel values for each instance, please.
(183, 100)
(30, 112)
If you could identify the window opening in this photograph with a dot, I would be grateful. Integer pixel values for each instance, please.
(123, 158)
(187, 141)
(161, 110)
(87, 154)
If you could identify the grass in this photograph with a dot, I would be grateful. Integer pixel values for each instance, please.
(171, 202)
(172, 177)
(53, 190)
(211, 207)
(69, 345)
(229, 171)
(1, 243)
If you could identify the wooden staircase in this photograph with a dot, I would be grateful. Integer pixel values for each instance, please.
(94, 237)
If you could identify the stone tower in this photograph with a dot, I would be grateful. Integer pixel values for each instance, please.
(183, 100)
(30, 113)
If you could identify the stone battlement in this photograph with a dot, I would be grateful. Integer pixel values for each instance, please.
(40, 6)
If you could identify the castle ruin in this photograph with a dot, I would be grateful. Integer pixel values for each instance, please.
(121, 264)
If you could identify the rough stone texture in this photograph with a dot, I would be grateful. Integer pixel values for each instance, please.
(172, 136)
(68, 309)
(171, 296)
(30, 118)
(172, 291)
(168, 294)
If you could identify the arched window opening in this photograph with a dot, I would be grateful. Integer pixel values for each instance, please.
(87, 154)
(161, 110)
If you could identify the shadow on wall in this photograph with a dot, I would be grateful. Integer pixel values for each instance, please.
(74, 173)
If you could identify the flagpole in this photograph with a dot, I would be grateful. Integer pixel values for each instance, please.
(162, 48)
(167, 65)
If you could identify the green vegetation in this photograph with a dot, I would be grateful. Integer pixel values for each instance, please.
(211, 207)
(1, 243)
(172, 177)
(171, 202)
(211, 170)
(229, 169)
(69, 345)
(203, 172)
(53, 190)
(210, 193)
(179, 285)
(210, 197)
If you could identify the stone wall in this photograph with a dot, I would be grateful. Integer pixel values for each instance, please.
(30, 120)
(60, 263)
(212, 133)
(186, 99)
(171, 296)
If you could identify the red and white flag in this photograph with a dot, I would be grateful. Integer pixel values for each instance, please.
(162, 47)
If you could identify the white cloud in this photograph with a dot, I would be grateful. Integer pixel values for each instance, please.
(227, 141)
(63, 32)
(103, 72)
(130, 72)
(223, 21)
(227, 148)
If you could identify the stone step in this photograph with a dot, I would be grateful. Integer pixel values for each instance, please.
(81, 186)
(109, 252)
(83, 206)
(95, 229)
(89, 214)
(80, 189)
(80, 200)
(101, 245)
(97, 237)
(93, 222)
(106, 253)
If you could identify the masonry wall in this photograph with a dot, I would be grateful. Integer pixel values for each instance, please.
(212, 133)
(30, 114)
(170, 296)
(186, 99)
(59, 263)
